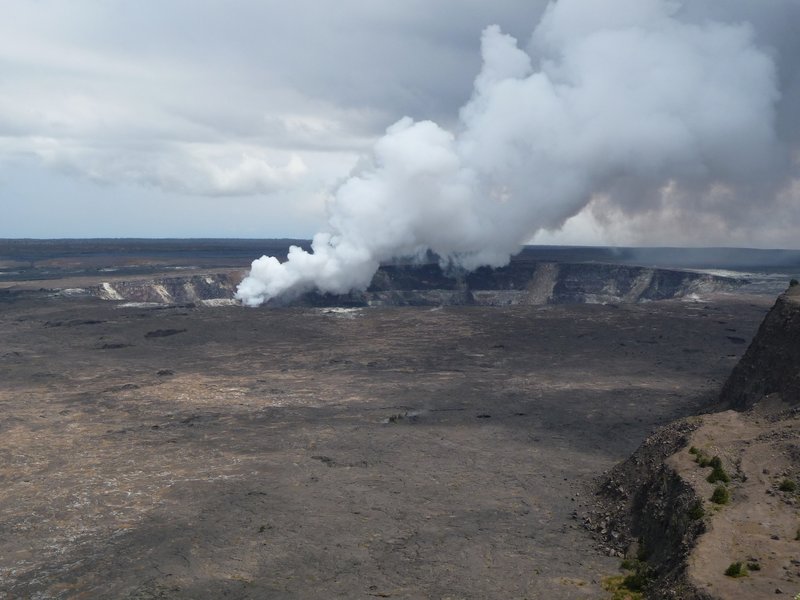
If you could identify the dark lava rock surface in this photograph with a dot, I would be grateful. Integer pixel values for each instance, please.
(771, 364)
(331, 453)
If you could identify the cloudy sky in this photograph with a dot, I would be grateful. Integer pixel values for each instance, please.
(203, 118)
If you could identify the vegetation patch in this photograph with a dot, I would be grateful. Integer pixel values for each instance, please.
(788, 485)
(701, 458)
(697, 511)
(635, 582)
(630, 586)
(718, 473)
(721, 495)
(736, 569)
(618, 590)
(629, 564)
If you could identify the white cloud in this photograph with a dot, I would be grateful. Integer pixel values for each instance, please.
(630, 109)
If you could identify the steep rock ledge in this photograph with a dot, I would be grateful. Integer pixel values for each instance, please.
(644, 511)
(170, 290)
(657, 504)
(771, 364)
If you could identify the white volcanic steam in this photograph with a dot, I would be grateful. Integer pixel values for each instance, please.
(628, 104)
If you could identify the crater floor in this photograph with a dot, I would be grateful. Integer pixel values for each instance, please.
(181, 452)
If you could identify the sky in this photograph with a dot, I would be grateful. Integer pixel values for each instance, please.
(246, 118)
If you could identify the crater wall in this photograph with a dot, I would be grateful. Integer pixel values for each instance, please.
(521, 282)
(771, 364)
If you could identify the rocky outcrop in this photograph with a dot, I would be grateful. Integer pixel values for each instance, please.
(170, 290)
(646, 511)
(655, 504)
(771, 364)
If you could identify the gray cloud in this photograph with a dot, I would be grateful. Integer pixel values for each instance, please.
(236, 98)
(200, 99)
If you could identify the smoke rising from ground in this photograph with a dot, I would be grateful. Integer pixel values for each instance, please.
(627, 108)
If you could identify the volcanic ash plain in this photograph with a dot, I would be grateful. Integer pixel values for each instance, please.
(198, 452)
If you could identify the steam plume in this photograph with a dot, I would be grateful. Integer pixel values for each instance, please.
(628, 104)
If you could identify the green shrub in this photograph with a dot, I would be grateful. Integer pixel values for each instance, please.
(629, 564)
(736, 569)
(787, 485)
(635, 582)
(793, 282)
(718, 474)
(753, 566)
(721, 495)
(703, 461)
(696, 511)
(618, 590)
(694, 451)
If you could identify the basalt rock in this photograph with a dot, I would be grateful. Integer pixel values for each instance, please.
(644, 504)
(771, 364)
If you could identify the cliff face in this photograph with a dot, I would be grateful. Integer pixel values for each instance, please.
(645, 511)
(521, 282)
(524, 282)
(771, 364)
(659, 501)
(169, 290)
